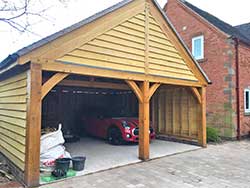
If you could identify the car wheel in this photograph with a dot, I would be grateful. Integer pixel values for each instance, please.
(114, 136)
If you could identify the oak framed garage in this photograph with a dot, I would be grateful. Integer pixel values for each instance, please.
(132, 41)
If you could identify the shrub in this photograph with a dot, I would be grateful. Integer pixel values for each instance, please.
(212, 135)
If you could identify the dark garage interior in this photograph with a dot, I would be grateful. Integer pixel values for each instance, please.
(70, 105)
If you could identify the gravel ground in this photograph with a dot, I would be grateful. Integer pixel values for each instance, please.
(6, 182)
(3, 167)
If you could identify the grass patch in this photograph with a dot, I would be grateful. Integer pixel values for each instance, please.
(213, 135)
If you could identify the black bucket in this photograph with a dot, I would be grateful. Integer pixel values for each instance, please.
(63, 164)
(78, 163)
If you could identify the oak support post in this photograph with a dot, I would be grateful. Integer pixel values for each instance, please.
(144, 122)
(33, 130)
(173, 111)
(144, 94)
(202, 132)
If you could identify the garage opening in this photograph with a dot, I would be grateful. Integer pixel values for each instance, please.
(92, 112)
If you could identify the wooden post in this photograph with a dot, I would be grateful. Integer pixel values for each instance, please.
(33, 129)
(202, 132)
(144, 94)
(144, 122)
(173, 111)
(154, 107)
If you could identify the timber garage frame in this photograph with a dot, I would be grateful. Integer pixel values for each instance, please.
(132, 41)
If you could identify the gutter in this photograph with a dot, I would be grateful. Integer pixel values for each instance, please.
(237, 86)
(9, 60)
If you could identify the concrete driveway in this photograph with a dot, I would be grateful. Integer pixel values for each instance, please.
(225, 165)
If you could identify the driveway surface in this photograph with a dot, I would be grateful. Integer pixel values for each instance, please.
(225, 165)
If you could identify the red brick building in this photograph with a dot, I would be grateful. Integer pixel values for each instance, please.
(223, 51)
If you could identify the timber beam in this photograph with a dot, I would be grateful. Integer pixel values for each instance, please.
(63, 67)
(196, 94)
(49, 84)
(135, 88)
(153, 89)
(94, 84)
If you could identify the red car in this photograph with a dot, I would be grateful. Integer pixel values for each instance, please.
(115, 130)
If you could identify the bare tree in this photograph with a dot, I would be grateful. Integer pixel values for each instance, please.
(17, 13)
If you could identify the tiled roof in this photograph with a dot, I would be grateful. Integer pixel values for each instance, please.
(244, 29)
(223, 26)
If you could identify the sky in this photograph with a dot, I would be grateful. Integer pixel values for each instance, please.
(60, 15)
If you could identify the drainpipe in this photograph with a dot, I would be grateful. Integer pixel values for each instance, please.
(237, 86)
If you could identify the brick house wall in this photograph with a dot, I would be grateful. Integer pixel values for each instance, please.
(244, 79)
(218, 63)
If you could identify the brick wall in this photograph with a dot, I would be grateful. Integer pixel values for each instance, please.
(244, 72)
(219, 65)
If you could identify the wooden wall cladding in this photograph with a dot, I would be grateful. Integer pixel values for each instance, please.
(121, 48)
(178, 112)
(13, 107)
(125, 46)
(164, 59)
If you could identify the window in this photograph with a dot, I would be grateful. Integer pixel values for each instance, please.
(247, 100)
(198, 47)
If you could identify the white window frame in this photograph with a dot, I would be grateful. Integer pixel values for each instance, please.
(201, 37)
(245, 106)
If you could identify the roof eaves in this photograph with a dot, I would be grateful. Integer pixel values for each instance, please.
(9, 60)
(182, 42)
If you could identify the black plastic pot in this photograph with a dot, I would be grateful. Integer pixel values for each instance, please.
(63, 164)
(78, 163)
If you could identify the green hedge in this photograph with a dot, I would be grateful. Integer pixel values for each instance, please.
(212, 135)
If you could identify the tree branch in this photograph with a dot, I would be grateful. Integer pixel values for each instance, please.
(18, 13)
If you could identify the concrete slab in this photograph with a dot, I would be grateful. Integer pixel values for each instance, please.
(102, 156)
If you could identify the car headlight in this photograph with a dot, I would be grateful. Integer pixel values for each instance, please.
(125, 125)
(128, 135)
